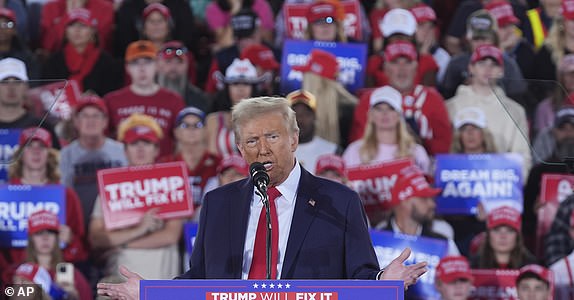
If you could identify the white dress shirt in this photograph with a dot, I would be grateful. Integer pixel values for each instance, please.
(285, 205)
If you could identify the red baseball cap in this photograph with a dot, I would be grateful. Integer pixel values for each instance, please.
(260, 56)
(321, 63)
(173, 49)
(504, 215)
(233, 161)
(322, 11)
(43, 220)
(537, 270)
(568, 9)
(411, 182)
(502, 12)
(81, 15)
(91, 100)
(162, 9)
(8, 14)
(141, 132)
(487, 51)
(423, 13)
(400, 48)
(331, 162)
(452, 268)
(36, 133)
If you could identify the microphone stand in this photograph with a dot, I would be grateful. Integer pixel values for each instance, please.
(262, 192)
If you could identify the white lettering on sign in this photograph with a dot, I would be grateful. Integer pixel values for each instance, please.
(142, 188)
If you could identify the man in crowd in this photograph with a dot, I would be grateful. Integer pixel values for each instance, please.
(453, 278)
(266, 132)
(144, 95)
(90, 152)
(533, 283)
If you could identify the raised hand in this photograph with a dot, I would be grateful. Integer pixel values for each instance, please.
(396, 270)
(128, 290)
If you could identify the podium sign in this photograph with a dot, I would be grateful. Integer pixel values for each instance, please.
(271, 289)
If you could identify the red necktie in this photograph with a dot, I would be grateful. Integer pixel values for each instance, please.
(258, 266)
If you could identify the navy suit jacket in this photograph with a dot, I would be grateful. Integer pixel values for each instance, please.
(327, 240)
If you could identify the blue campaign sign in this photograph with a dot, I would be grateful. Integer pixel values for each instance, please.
(351, 57)
(466, 180)
(389, 245)
(189, 233)
(8, 145)
(271, 289)
(17, 202)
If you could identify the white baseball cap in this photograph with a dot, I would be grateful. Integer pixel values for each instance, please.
(398, 20)
(12, 67)
(241, 71)
(388, 95)
(470, 115)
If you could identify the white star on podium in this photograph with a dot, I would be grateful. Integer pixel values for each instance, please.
(263, 285)
(255, 285)
(279, 286)
(287, 286)
(271, 286)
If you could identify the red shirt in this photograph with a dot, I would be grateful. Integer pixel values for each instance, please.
(52, 23)
(200, 175)
(426, 106)
(163, 106)
(76, 250)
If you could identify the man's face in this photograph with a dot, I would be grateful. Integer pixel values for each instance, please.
(456, 290)
(422, 209)
(7, 29)
(12, 92)
(401, 72)
(191, 131)
(172, 68)
(267, 139)
(564, 132)
(552, 7)
(90, 121)
(532, 289)
(305, 120)
(140, 153)
(142, 71)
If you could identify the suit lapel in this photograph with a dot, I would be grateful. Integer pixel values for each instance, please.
(303, 216)
(239, 212)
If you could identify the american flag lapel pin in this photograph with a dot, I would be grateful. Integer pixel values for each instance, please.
(312, 202)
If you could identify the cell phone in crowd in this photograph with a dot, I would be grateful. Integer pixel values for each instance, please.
(65, 273)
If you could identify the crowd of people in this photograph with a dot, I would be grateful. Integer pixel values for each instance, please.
(156, 82)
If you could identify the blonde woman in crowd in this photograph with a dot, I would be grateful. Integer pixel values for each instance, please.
(386, 136)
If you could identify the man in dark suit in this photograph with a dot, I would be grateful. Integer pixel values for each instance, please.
(322, 228)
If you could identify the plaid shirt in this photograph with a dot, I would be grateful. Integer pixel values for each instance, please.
(558, 243)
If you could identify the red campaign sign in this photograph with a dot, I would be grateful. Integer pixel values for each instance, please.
(59, 98)
(296, 20)
(555, 188)
(128, 192)
(373, 182)
(272, 296)
(498, 284)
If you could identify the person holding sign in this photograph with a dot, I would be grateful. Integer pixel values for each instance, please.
(37, 164)
(322, 233)
(42, 249)
(386, 136)
(453, 278)
(563, 270)
(503, 246)
(149, 247)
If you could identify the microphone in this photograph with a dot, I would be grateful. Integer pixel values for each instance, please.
(260, 177)
(261, 180)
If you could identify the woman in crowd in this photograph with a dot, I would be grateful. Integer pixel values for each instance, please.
(150, 247)
(386, 136)
(240, 83)
(325, 22)
(503, 246)
(43, 250)
(82, 59)
(37, 164)
(335, 105)
(156, 24)
(191, 138)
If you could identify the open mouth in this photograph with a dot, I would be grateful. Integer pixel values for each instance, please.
(268, 165)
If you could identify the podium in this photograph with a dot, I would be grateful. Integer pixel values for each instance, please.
(271, 289)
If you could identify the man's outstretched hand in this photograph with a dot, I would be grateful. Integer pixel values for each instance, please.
(129, 290)
(396, 270)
